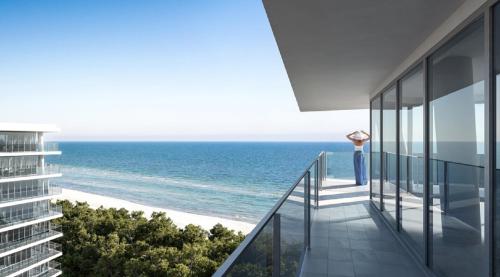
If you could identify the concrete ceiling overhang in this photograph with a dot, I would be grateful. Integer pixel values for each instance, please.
(336, 52)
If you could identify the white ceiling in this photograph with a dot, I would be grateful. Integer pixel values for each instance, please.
(336, 52)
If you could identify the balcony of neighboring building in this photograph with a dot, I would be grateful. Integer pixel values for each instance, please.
(32, 260)
(25, 144)
(12, 150)
(28, 214)
(22, 192)
(19, 169)
(27, 237)
(53, 270)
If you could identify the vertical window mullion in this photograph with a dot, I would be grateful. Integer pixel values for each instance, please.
(490, 141)
(398, 106)
(427, 223)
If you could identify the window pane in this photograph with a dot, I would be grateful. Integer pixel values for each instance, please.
(496, 64)
(456, 125)
(411, 157)
(375, 152)
(389, 165)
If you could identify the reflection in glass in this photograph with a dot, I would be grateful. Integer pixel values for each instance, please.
(375, 151)
(496, 67)
(411, 157)
(456, 126)
(292, 232)
(389, 162)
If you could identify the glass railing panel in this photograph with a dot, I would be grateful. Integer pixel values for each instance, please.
(49, 147)
(29, 147)
(458, 213)
(25, 241)
(256, 259)
(29, 171)
(411, 200)
(389, 174)
(45, 252)
(278, 244)
(292, 231)
(29, 193)
(29, 216)
(340, 165)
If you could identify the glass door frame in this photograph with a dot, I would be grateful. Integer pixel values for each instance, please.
(485, 12)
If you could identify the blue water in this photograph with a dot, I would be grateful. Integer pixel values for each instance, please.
(236, 180)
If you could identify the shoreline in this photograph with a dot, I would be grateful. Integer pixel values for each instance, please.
(181, 219)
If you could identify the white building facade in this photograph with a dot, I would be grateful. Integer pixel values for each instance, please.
(26, 211)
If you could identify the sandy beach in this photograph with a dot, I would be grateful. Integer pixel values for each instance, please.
(181, 219)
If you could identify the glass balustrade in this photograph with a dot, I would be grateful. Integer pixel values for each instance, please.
(24, 171)
(37, 254)
(27, 193)
(26, 216)
(54, 268)
(11, 142)
(340, 165)
(53, 231)
(278, 243)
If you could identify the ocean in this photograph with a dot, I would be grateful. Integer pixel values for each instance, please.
(234, 180)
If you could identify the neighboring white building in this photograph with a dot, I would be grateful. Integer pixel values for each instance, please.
(26, 190)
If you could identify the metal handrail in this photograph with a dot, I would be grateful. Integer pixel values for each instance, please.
(229, 262)
(437, 160)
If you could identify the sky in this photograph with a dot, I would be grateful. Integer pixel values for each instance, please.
(153, 70)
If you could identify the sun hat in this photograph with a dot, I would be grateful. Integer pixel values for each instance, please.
(358, 135)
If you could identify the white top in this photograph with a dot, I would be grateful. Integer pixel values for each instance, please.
(358, 148)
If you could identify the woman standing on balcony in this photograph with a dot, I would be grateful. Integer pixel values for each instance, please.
(358, 138)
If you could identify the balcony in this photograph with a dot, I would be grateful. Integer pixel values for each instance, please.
(54, 270)
(17, 147)
(29, 171)
(28, 193)
(54, 231)
(322, 226)
(47, 214)
(52, 250)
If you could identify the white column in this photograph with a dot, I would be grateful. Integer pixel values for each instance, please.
(41, 161)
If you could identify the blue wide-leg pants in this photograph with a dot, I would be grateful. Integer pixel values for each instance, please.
(359, 168)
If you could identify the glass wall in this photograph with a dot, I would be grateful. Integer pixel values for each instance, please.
(389, 162)
(496, 68)
(456, 166)
(18, 141)
(411, 159)
(454, 85)
(375, 151)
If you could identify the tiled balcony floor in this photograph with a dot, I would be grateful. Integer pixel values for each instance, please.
(349, 239)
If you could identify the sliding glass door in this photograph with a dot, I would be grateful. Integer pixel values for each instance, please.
(456, 166)
(411, 158)
(496, 68)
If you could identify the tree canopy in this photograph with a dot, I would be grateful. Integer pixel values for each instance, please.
(117, 242)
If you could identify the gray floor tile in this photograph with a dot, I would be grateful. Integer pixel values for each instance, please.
(319, 252)
(350, 240)
(315, 265)
(340, 268)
